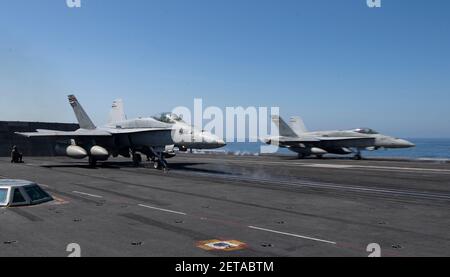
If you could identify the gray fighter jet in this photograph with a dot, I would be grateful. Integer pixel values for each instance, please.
(296, 138)
(185, 136)
(128, 138)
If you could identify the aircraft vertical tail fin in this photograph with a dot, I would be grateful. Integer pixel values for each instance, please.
(297, 125)
(83, 119)
(117, 113)
(283, 127)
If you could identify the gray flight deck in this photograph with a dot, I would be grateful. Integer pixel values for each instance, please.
(277, 206)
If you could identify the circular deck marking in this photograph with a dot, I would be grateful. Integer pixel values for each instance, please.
(221, 245)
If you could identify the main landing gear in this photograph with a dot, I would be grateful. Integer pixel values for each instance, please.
(92, 161)
(137, 159)
(358, 155)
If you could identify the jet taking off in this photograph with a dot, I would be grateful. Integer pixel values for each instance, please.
(296, 138)
(127, 138)
(185, 136)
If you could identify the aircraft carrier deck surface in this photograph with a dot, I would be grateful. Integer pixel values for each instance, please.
(265, 206)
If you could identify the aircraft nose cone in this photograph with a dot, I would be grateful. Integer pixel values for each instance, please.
(266, 140)
(214, 141)
(410, 144)
(406, 144)
(221, 142)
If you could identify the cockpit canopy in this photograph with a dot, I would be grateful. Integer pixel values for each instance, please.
(168, 118)
(21, 193)
(366, 131)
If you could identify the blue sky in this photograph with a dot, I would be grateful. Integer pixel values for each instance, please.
(338, 64)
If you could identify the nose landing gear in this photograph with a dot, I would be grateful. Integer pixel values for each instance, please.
(160, 163)
(137, 159)
(154, 156)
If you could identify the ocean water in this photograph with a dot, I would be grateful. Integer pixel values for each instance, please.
(425, 149)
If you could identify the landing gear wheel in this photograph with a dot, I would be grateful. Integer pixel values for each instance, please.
(137, 159)
(301, 156)
(319, 156)
(159, 162)
(164, 165)
(358, 157)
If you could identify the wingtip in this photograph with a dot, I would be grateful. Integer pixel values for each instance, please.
(21, 134)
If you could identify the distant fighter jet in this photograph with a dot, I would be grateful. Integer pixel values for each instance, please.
(127, 138)
(296, 138)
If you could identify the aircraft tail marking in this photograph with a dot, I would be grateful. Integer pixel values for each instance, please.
(83, 119)
(283, 127)
(297, 125)
(117, 113)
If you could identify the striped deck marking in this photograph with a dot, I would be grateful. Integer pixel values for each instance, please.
(163, 210)
(292, 235)
(87, 194)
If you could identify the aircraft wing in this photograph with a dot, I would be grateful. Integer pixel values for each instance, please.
(82, 133)
(118, 131)
(296, 140)
(345, 139)
(328, 141)
(64, 134)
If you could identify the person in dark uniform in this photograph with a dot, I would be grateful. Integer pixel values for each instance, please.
(16, 156)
